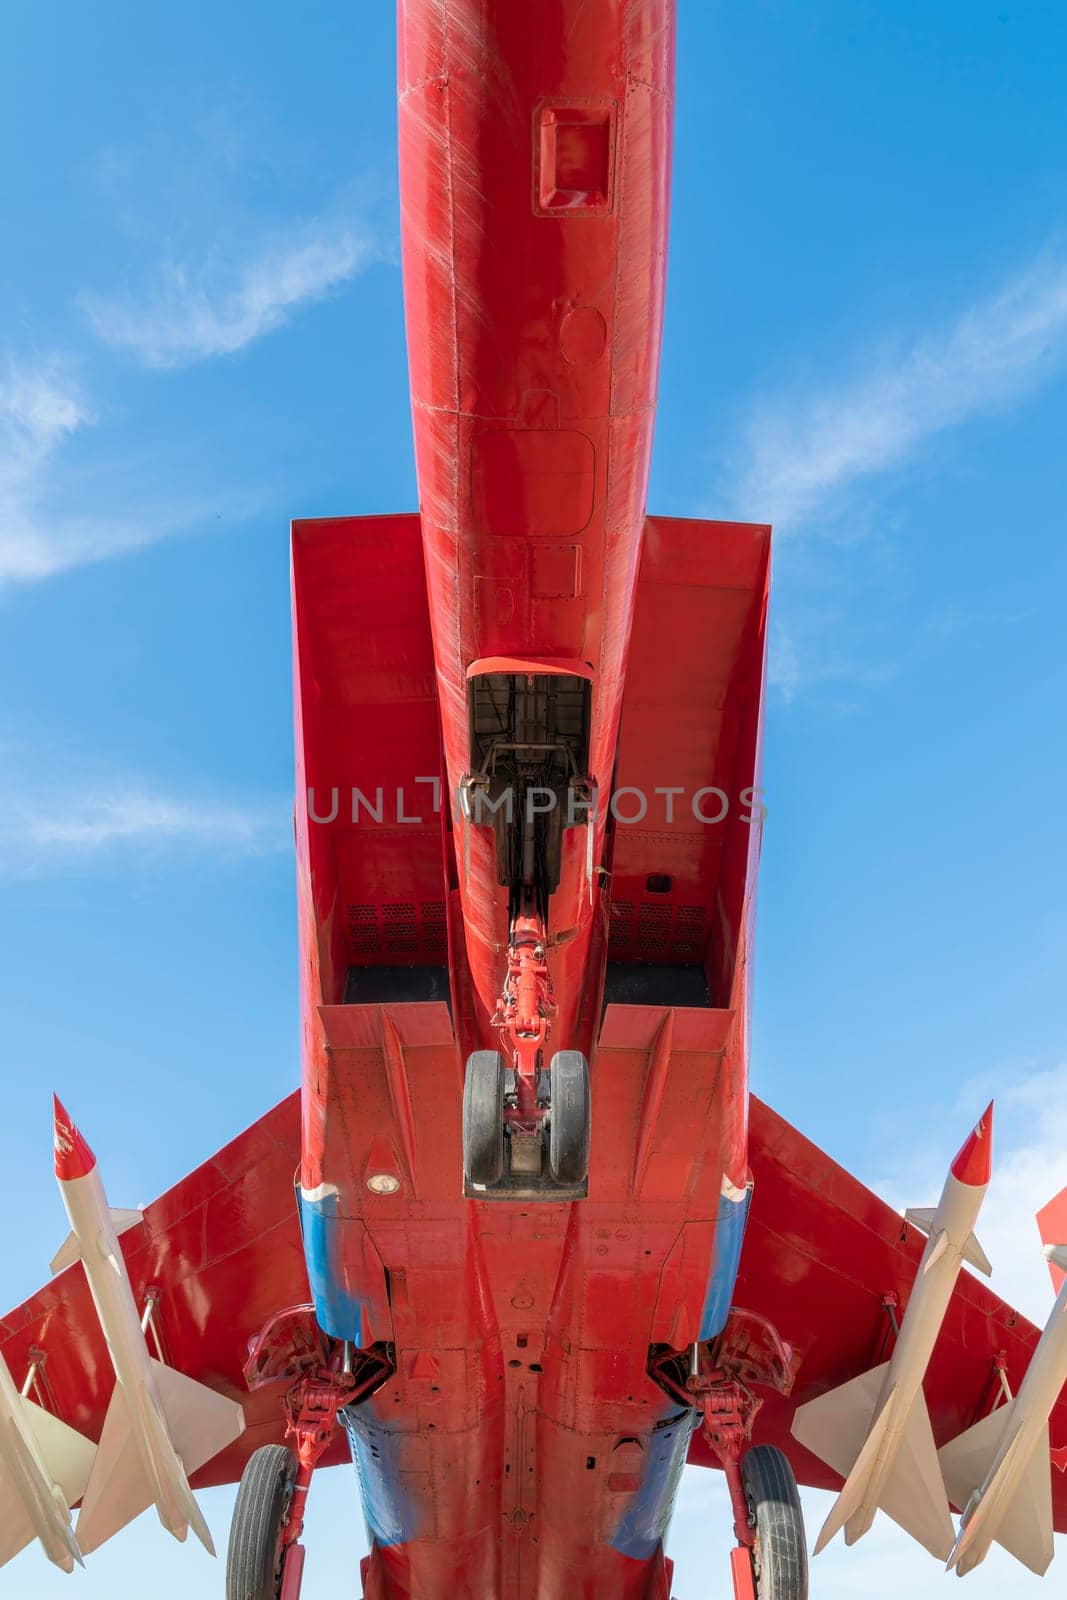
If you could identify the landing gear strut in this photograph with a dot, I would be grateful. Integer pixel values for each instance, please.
(510, 1101)
(770, 1561)
(265, 1560)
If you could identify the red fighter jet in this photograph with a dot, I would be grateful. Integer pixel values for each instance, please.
(544, 1246)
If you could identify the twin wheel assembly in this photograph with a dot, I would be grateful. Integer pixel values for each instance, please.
(503, 1148)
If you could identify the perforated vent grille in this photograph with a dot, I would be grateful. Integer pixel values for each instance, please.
(404, 931)
(656, 930)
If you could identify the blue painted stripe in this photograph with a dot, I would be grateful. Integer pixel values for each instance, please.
(339, 1307)
(644, 1526)
(389, 1512)
(725, 1261)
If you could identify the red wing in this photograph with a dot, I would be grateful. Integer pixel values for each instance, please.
(223, 1248)
(821, 1255)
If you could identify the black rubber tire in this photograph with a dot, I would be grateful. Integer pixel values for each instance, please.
(780, 1558)
(483, 1117)
(568, 1139)
(254, 1561)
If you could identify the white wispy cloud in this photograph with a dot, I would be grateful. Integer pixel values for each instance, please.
(41, 406)
(54, 518)
(802, 453)
(194, 312)
(60, 824)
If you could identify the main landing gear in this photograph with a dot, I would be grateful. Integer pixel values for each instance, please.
(770, 1560)
(265, 1560)
(509, 1109)
(779, 1552)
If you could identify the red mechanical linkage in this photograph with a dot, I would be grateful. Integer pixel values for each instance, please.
(311, 1408)
(714, 1378)
(524, 1015)
(329, 1375)
(729, 1411)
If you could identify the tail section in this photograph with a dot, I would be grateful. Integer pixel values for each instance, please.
(889, 1461)
(139, 1463)
(66, 1454)
(120, 1485)
(913, 1491)
(36, 1495)
(1020, 1520)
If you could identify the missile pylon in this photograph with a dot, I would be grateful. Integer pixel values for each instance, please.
(875, 1430)
(160, 1425)
(1000, 1471)
(44, 1467)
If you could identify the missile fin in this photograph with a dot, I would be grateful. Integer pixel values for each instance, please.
(976, 1256)
(68, 1253)
(966, 1460)
(834, 1426)
(200, 1421)
(940, 1245)
(921, 1217)
(1022, 1524)
(853, 1505)
(176, 1507)
(67, 1454)
(57, 1460)
(914, 1492)
(122, 1221)
(1025, 1526)
(119, 1488)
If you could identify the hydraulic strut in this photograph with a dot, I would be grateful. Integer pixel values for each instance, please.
(524, 1017)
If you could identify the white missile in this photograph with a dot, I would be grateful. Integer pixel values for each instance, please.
(161, 1425)
(1000, 1471)
(44, 1467)
(875, 1430)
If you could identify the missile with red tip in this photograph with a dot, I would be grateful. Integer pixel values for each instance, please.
(44, 1467)
(875, 1430)
(1000, 1471)
(161, 1425)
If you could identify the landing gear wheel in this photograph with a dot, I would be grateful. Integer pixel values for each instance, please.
(568, 1142)
(255, 1560)
(780, 1559)
(483, 1118)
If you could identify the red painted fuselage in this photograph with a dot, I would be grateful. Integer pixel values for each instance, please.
(521, 1448)
(534, 182)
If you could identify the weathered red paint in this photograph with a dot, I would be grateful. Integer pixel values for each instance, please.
(534, 311)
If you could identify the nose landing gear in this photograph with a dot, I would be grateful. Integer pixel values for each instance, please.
(510, 1102)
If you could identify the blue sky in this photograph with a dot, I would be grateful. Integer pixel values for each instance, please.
(201, 336)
